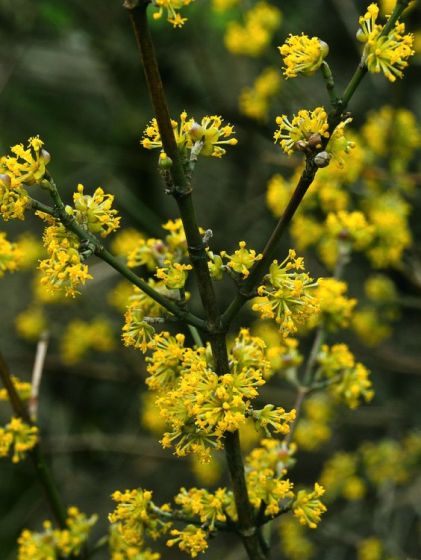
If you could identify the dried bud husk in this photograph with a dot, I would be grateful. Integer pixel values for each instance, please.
(322, 159)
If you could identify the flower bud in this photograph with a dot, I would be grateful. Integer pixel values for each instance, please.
(5, 179)
(315, 140)
(164, 161)
(322, 159)
(45, 156)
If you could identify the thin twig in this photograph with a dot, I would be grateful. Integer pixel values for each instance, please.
(37, 374)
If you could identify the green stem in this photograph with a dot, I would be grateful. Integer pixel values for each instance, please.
(41, 468)
(59, 212)
(335, 100)
(260, 268)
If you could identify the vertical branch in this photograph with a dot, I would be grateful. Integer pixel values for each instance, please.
(42, 471)
(183, 195)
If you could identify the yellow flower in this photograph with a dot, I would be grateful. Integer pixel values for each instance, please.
(191, 540)
(294, 542)
(313, 430)
(26, 166)
(308, 508)
(210, 133)
(302, 55)
(136, 331)
(135, 515)
(306, 129)
(210, 507)
(171, 7)
(286, 294)
(335, 309)
(174, 275)
(275, 417)
(351, 227)
(14, 199)
(94, 212)
(18, 436)
(384, 53)
(63, 271)
(52, 543)
(242, 260)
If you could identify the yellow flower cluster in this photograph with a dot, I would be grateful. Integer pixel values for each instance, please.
(242, 260)
(54, 543)
(305, 131)
(191, 539)
(308, 508)
(121, 550)
(173, 276)
(265, 471)
(286, 295)
(19, 437)
(254, 36)
(94, 212)
(25, 167)
(10, 255)
(370, 326)
(80, 336)
(254, 101)
(136, 518)
(152, 253)
(384, 53)
(351, 379)
(351, 228)
(210, 507)
(302, 55)
(206, 138)
(63, 271)
(198, 405)
(172, 8)
(23, 388)
(335, 308)
(282, 353)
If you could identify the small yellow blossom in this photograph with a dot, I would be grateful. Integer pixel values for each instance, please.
(94, 212)
(308, 508)
(135, 515)
(174, 276)
(339, 477)
(172, 8)
(302, 55)
(210, 507)
(242, 260)
(19, 437)
(209, 132)
(350, 227)
(370, 327)
(63, 270)
(26, 166)
(136, 331)
(125, 241)
(335, 308)
(53, 543)
(384, 53)
(14, 199)
(191, 540)
(31, 250)
(306, 129)
(275, 417)
(353, 382)
(314, 428)
(286, 295)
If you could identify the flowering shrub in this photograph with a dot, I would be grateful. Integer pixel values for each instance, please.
(209, 368)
